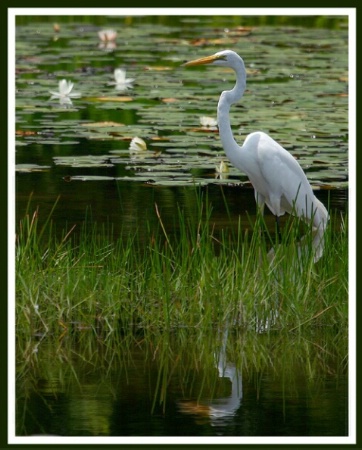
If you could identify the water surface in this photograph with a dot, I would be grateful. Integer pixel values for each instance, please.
(170, 388)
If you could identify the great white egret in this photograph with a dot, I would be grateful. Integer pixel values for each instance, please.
(277, 178)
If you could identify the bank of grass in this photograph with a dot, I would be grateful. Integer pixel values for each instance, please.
(196, 278)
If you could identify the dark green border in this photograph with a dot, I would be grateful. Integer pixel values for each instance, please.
(5, 4)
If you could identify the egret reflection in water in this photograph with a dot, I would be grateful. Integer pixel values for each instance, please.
(219, 409)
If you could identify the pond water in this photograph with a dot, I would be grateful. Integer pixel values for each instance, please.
(175, 387)
(78, 149)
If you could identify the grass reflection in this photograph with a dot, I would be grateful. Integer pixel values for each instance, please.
(115, 387)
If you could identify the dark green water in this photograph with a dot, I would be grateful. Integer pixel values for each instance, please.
(165, 388)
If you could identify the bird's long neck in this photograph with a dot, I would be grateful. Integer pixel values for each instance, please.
(227, 98)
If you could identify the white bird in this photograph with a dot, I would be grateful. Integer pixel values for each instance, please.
(277, 178)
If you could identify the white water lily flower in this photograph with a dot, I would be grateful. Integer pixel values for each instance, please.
(107, 35)
(65, 91)
(208, 122)
(122, 83)
(222, 167)
(137, 144)
(222, 171)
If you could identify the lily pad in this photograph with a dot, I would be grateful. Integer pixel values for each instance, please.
(90, 178)
(83, 161)
(31, 168)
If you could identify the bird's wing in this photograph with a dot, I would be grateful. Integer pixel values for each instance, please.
(278, 177)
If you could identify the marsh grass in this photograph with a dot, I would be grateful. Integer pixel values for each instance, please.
(196, 277)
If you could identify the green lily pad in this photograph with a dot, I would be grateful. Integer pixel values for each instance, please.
(31, 168)
(83, 161)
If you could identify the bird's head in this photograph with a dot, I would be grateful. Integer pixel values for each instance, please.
(225, 58)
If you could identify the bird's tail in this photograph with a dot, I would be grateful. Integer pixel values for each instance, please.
(320, 221)
(321, 216)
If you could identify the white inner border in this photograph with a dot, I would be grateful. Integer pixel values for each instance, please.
(351, 13)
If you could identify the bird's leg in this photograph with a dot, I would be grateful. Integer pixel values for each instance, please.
(278, 240)
(279, 234)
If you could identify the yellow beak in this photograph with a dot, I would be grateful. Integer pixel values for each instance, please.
(205, 60)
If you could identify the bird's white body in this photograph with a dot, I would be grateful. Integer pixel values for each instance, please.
(277, 178)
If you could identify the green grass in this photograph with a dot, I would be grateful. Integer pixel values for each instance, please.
(195, 278)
